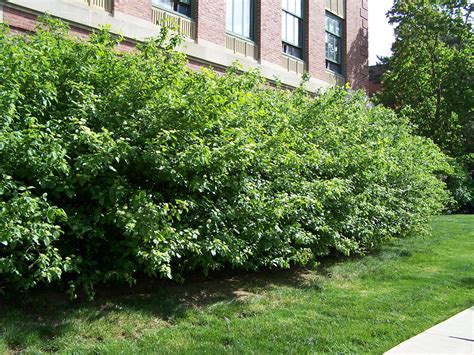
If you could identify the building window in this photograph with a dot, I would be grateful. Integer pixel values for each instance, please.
(182, 7)
(240, 18)
(292, 27)
(334, 43)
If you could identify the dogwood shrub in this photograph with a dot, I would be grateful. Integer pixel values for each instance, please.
(114, 164)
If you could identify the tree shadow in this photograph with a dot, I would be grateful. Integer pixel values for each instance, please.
(467, 282)
(48, 313)
(357, 65)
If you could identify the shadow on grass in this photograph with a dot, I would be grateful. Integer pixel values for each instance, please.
(47, 314)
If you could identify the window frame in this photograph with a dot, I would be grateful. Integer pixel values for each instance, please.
(175, 12)
(252, 20)
(339, 38)
(301, 27)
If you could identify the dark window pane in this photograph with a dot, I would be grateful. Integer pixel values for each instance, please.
(183, 9)
(292, 50)
(337, 68)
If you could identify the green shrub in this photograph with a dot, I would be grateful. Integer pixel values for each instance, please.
(114, 164)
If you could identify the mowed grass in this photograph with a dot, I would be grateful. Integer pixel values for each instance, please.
(359, 305)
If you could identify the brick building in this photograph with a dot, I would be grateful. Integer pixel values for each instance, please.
(284, 38)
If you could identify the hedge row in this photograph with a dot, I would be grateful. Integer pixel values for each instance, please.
(115, 164)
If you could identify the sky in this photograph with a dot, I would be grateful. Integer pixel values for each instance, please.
(380, 32)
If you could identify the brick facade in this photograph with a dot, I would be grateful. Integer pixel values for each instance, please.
(210, 21)
(19, 20)
(136, 8)
(315, 54)
(357, 49)
(210, 26)
(269, 30)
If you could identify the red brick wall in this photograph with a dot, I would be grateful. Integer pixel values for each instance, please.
(269, 36)
(137, 8)
(21, 22)
(210, 21)
(18, 20)
(357, 49)
(356, 41)
(315, 56)
(197, 65)
(210, 26)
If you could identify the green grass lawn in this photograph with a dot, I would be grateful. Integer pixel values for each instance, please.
(363, 305)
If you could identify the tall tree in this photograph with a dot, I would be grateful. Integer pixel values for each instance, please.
(432, 71)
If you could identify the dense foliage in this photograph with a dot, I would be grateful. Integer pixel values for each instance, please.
(114, 164)
(431, 71)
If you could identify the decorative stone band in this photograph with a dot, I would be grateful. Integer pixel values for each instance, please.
(292, 64)
(241, 46)
(186, 25)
